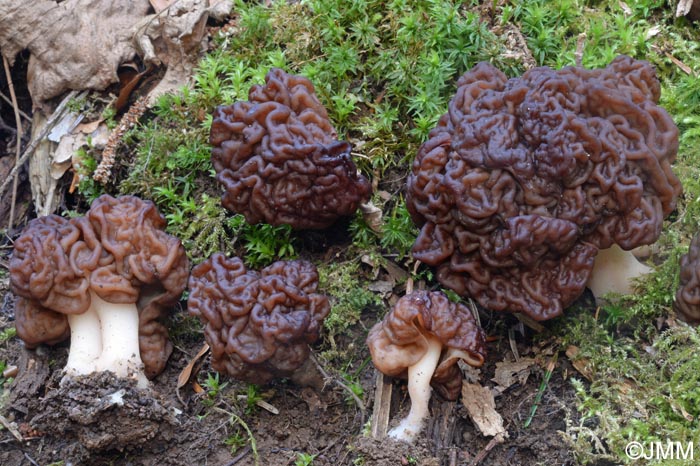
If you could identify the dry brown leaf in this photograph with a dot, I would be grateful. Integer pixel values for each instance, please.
(160, 5)
(582, 365)
(481, 408)
(75, 44)
(186, 373)
(87, 128)
(509, 373)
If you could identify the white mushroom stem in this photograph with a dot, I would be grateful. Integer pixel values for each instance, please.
(120, 339)
(614, 271)
(85, 342)
(419, 390)
(106, 338)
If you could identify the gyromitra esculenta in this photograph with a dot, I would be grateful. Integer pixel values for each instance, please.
(106, 280)
(258, 324)
(279, 160)
(687, 302)
(525, 180)
(422, 338)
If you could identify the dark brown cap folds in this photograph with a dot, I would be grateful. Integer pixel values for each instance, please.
(279, 160)
(687, 302)
(119, 251)
(258, 324)
(525, 179)
(399, 341)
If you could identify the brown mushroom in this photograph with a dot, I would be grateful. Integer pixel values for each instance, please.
(525, 180)
(422, 338)
(109, 277)
(687, 302)
(258, 324)
(279, 160)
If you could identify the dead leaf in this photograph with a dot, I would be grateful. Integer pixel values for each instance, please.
(87, 128)
(74, 44)
(372, 216)
(160, 5)
(481, 408)
(508, 373)
(582, 365)
(186, 373)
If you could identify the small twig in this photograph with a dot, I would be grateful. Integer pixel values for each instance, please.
(541, 389)
(35, 142)
(358, 401)
(239, 456)
(30, 459)
(13, 430)
(24, 115)
(498, 439)
(18, 147)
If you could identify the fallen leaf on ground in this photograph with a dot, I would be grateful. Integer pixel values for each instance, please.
(481, 408)
(582, 365)
(186, 373)
(508, 373)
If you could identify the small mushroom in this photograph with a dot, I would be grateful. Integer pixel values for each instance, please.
(687, 302)
(524, 180)
(106, 279)
(258, 324)
(422, 338)
(278, 158)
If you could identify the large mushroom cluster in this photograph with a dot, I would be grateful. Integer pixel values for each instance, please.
(106, 280)
(258, 324)
(525, 180)
(279, 160)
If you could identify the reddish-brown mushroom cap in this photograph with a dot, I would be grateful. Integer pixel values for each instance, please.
(525, 179)
(118, 251)
(400, 340)
(279, 160)
(258, 325)
(687, 302)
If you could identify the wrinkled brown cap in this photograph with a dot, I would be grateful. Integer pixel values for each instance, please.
(279, 160)
(258, 325)
(524, 179)
(399, 341)
(687, 302)
(118, 250)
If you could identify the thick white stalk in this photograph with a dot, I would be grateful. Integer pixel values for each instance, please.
(120, 340)
(614, 271)
(85, 342)
(419, 389)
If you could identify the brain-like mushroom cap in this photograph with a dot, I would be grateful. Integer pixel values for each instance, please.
(687, 302)
(279, 160)
(258, 325)
(119, 251)
(399, 341)
(524, 180)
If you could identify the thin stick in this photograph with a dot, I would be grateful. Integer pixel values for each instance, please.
(24, 115)
(358, 401)
(18, 147)
(35, 142)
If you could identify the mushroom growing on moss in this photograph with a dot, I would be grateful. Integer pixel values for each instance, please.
(687, 302)
(525, 180)
(422, 338)
(258, 324)
(106, 279)
(279, 160)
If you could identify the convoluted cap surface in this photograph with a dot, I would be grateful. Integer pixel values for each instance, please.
(279, 160)
(117, 250)
(524, 179)
(687, 302)
(258, 324)
(399, 341)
